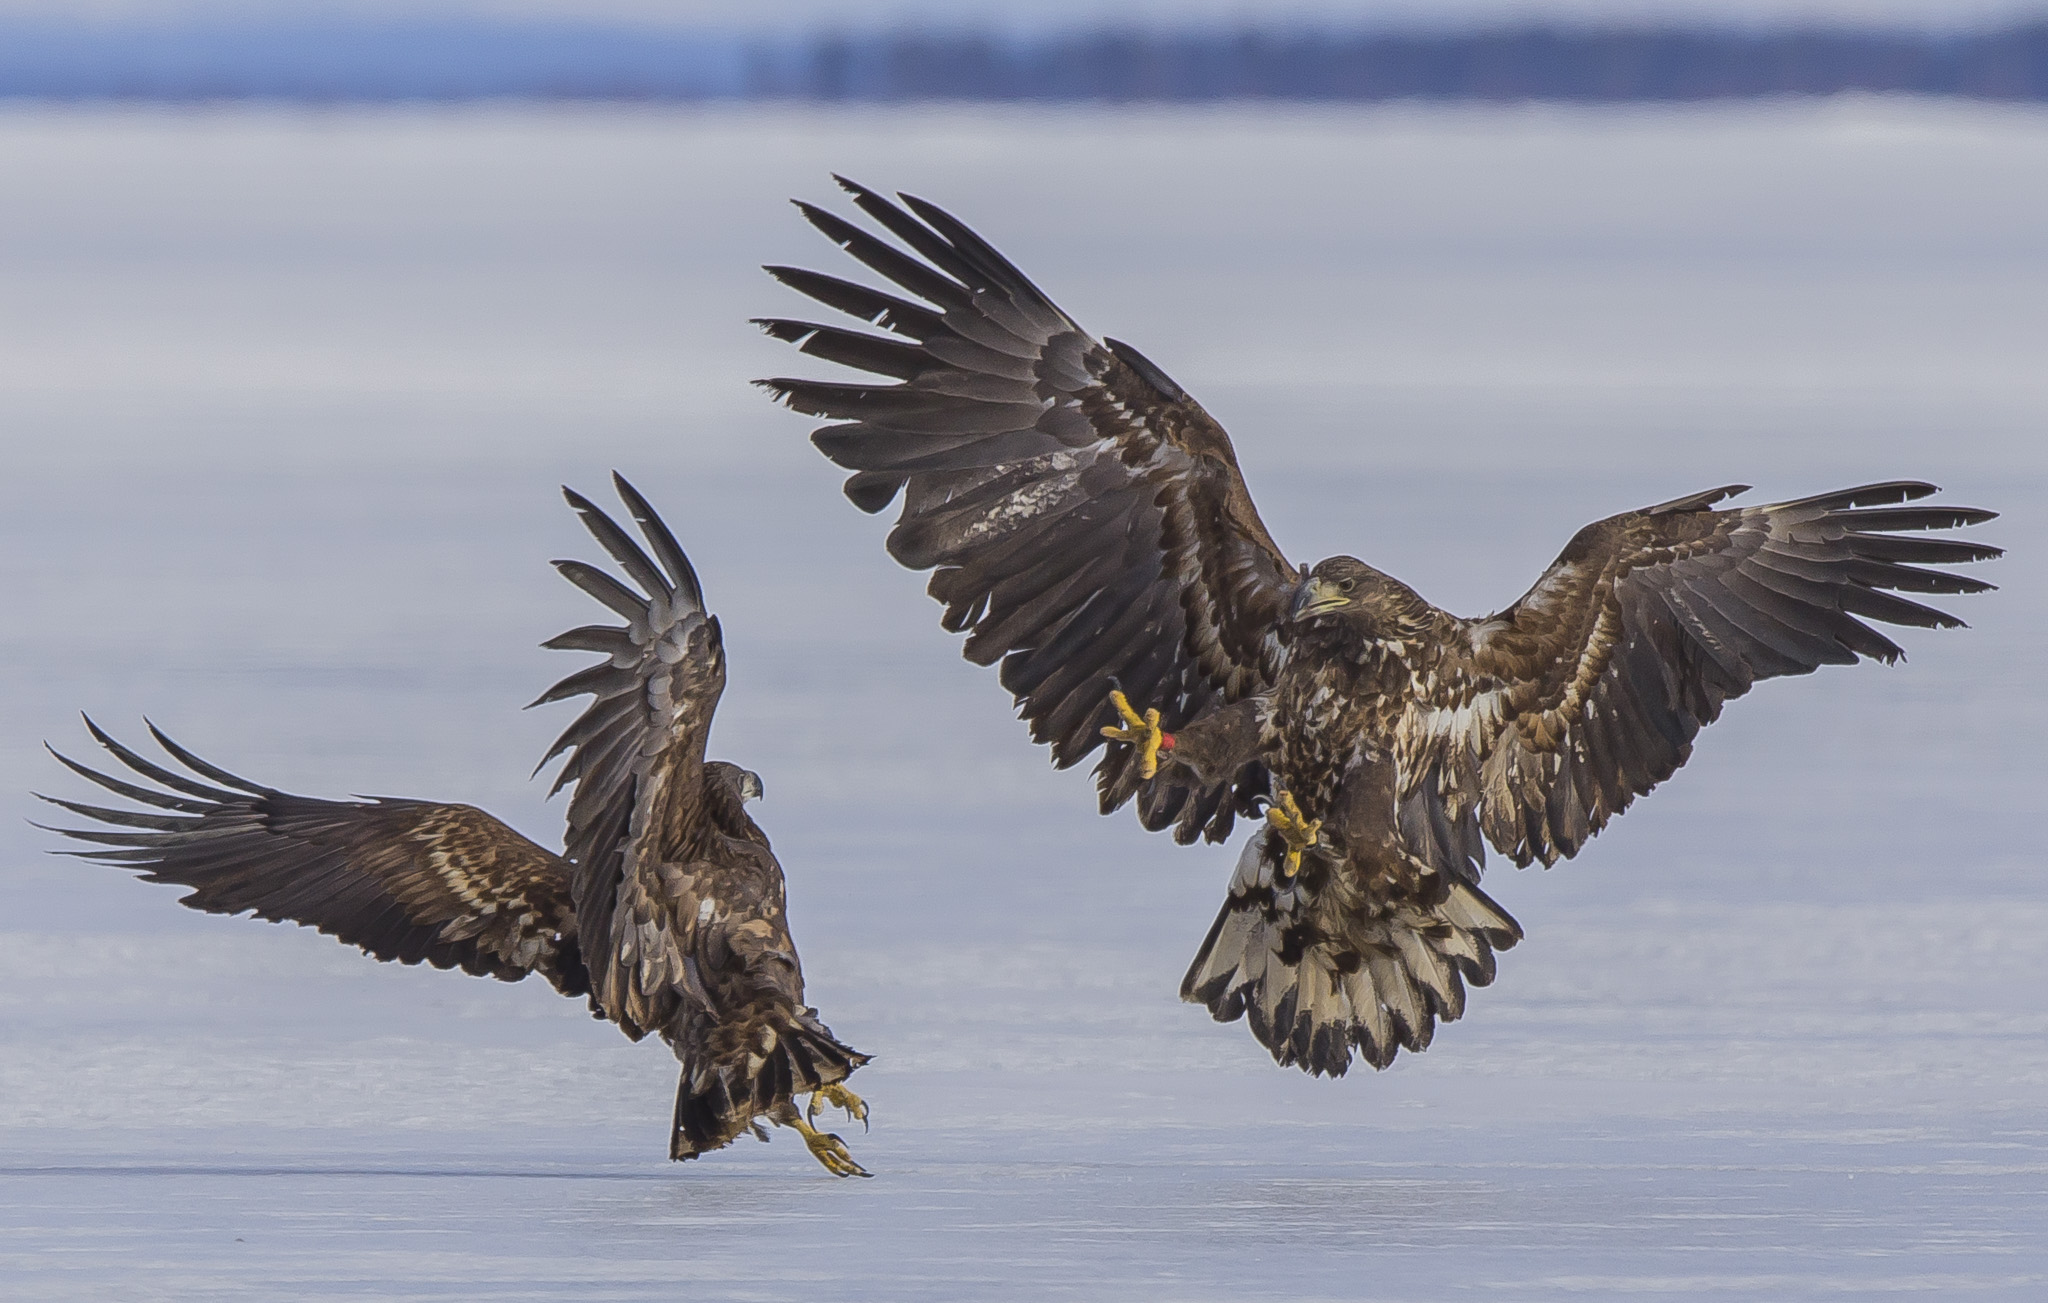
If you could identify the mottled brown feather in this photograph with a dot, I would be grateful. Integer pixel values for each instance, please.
(1050, 426)
(409, 881)
(1588, 691)
(669, 890)
(1087, 525)
(678, 898)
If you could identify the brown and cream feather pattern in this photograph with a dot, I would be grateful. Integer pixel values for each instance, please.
(679, 900)
(667, 910)
(1088, 528)
(1545, 721)
(636, 763)
(1085, 519)
(410, 881)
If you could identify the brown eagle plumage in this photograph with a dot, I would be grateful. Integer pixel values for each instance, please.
(666, 910)
(1089, 531)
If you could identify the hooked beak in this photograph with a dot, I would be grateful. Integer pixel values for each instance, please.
(751, 787)
(1313, 598)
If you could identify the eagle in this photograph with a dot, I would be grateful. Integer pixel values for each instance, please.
(1090, 533)
(666, 908)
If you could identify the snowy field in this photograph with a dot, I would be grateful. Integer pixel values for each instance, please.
(285, 398)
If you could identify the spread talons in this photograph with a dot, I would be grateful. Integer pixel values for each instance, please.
(838, 1096)
(1284, 816)
(1141, 731)
(829, 1150)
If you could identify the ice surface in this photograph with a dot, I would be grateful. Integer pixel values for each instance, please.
(285, 396)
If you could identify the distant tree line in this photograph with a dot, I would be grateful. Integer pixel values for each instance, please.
(460, 60)
(1534, 64)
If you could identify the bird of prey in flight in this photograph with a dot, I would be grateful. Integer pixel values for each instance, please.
(666, 908)
(1089, 531)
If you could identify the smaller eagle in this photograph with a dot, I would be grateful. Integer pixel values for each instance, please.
(1089, 531)
(666, 909)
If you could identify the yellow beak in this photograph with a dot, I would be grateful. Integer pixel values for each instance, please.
(1314, 598)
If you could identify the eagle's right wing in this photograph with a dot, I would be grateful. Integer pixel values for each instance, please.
(636, 761)
(1545, 721)
(1085, 517)
(404, 880)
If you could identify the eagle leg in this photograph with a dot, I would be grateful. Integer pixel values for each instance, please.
(1141, 731)
(838, 1096)
(828, 1149)
(1299, 833)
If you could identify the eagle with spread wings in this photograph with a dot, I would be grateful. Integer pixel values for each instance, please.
(666, 909)
(1089, 531)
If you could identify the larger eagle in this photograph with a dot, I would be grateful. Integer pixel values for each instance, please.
(666, 910)
(1090, 531)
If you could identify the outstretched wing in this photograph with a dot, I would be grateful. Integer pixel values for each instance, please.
(1545, 721)
(636, 760)
(1085, 518)
(404, 880)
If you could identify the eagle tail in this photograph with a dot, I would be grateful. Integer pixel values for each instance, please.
(720, 1096)
(1311, 998)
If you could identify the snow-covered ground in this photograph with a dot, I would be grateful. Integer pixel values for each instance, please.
(285, 396)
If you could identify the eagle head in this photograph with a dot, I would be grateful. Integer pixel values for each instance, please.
(744, 784)
(1346, 591)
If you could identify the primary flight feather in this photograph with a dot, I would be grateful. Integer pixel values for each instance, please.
(1089, 531)
(666, 911)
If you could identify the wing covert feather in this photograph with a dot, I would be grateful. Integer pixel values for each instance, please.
(404, 880)
(635, 759)
(1545, 721)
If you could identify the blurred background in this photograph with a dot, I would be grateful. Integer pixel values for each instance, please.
(306, 310)
(1036, 51)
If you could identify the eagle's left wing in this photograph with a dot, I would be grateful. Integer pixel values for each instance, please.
(1085, 518)
(404, 880)
(1545, 721)
(636, 760)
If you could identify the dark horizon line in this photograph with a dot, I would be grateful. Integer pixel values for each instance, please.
(456, 60)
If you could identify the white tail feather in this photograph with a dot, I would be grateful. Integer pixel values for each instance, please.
(1318, 983)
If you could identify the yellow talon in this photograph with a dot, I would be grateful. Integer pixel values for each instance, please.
(829, 1150)
(838, 1096)
(1142, 731)
(1285, 818)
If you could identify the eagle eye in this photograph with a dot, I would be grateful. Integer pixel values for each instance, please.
(1346, 585)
